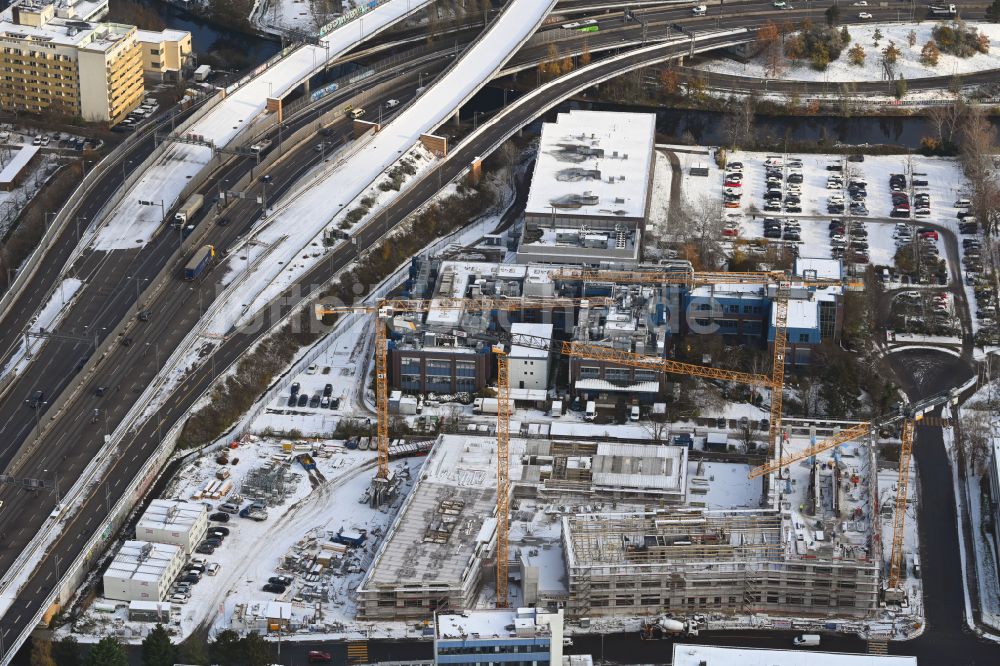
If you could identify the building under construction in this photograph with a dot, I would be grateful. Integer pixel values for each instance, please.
(643, 529)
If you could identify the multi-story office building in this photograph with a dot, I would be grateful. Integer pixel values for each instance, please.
(52, 61)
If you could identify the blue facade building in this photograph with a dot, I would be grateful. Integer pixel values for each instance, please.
(523, 636)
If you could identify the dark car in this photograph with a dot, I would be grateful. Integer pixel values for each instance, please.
(318, 657)
(214, 541)
(37, 399)
(335, 403)
(294, 388)
(303, 400)
(205, 549)
(277, 589)
(328, 390)
(280, 580)
(315, 400)
(145, 315)
(192, 578)
(219, 517)
(292, 400)
(100, 390)
(224, 531)
(855, 158)
(223, 221)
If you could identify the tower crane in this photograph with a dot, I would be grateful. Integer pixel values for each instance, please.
(386, 309)
(908, 416)
(691, 278)
(578, 350)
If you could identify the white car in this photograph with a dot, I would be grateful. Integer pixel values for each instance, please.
(864, 15)
(861, 4)
(779, 4)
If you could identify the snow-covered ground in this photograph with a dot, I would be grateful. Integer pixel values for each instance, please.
(253, 551)
(300, 219)
(47, 320)
(908, 65)
(987, 567)
(303, 15)
(293, 249)
(946, 183)
(132, 225)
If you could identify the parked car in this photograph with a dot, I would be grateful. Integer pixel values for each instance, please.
(224, 531)
(318, 657)
(219, 517)
(276, 589)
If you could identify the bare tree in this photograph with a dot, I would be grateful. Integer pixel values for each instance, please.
(749, 434)
(701, 222)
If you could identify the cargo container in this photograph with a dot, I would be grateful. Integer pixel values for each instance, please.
(201, 259)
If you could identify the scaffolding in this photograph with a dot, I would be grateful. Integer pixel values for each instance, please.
(270, 484)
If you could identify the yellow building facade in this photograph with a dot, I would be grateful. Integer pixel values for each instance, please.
(53, 63)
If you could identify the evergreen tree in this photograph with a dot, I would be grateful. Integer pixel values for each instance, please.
(157, 650)
(41, 653)
(66, 652)
(226, 650)
(108, 652)
(256, 651)
(993, 11)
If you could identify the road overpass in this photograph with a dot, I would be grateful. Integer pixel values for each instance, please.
(116, 488)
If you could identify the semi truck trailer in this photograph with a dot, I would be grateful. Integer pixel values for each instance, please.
(201, 259)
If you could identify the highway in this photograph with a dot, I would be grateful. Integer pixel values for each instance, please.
(72, 439)
(179, 308)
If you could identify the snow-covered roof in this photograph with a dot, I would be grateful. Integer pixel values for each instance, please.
(142, 560)
(543, 331)
(814, 267)
(640, 466)
(728, 290)
(157, 36)
(490, 623)
(594, 163)
(605, 385)
(20, 159)
(710, 655)
(420, 547)
(802, 314)
(171, 514)
(154, 606)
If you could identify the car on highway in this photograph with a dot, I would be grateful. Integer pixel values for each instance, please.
(220, 517)
(37, 399)
(319, 657)
(864, 15)
(392, 103)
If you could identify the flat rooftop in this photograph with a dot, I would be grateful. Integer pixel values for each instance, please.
(491, 623)
(142, 560)
(448, 518)
(706, 655)
(165, 514)
(641, 466)
(595, 164)
(542, 331)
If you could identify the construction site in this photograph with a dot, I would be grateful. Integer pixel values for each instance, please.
(645, 529)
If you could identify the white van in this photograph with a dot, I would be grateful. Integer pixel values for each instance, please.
(392, 104)
(806, 640)
(962, 203)
(634, 413)
(590, 413)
